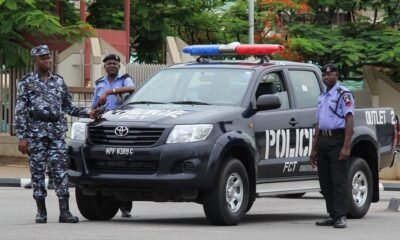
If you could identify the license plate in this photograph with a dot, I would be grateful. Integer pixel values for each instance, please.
(120, 151)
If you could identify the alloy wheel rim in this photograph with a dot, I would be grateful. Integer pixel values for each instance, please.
(234, 192)
(360, 188)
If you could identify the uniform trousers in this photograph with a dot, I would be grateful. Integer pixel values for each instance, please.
(126, 206)
(333, 174)
(43, 151)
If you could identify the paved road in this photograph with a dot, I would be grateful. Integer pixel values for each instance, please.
(270, 218)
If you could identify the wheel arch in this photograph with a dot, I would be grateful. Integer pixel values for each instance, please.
(239, 146)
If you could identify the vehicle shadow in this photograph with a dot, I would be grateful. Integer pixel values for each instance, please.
(248, 219)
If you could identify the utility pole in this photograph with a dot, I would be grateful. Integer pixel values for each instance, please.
(251, 21)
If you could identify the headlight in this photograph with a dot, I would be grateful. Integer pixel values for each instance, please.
(189, 133)
(78, 131)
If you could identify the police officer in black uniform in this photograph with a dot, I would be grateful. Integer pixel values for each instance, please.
(331, 146)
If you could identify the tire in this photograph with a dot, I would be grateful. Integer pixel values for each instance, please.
(249, 205)
(228, 200)
(291, 195)
(359, 188)
(96, 208)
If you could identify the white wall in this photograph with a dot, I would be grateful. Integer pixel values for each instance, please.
(70, 69)
(388, 97)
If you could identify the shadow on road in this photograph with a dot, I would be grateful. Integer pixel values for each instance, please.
(248, 219)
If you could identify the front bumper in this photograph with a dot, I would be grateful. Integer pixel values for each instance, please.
(167, 167)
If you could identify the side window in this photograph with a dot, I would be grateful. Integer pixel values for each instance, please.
(305, 88)
(272, 83)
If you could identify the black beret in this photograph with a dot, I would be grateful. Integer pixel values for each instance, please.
(112, 57)
(329, 68)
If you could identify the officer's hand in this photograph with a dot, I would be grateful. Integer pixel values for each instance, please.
(23, 146)
(93, 114)
(344, 153)
(313, 159)
(103, 98)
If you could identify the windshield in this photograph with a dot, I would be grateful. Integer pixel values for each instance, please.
(194, 86)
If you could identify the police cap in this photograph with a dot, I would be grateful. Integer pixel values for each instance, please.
(327, 68)
(40, 51)
(112, 57)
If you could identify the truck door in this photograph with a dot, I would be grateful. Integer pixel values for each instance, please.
(306, 89)
(274, 130)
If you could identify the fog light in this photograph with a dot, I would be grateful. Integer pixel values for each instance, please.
(189, 166)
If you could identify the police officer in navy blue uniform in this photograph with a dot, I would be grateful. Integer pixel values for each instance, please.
(331, 146)
(42, 103)
(108, 95)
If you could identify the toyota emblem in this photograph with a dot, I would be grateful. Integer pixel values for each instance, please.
(121, 131)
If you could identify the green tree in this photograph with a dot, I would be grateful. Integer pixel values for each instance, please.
(336, 31)
(104, 15)
(19, 18)
(195, 21)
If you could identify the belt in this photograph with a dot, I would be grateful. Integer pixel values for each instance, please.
(43, 118)
(332, 132)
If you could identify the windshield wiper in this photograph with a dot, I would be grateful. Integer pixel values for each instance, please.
(144, 102)
(190, 102)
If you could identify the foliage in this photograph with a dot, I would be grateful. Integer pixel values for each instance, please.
(104, 15)
(152, 21)
(19, 18)
(318, 31)
(338, 31)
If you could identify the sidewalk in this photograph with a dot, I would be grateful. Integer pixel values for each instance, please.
(14, 172)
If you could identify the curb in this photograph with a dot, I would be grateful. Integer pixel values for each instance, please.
(20, 182)
(391, 186)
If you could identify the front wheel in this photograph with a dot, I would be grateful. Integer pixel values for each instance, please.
(96, 208)
(228, 200)
(359, 188)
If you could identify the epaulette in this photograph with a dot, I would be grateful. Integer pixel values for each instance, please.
(341, 90)
(58, 75)
(126, 75)
(98, 80)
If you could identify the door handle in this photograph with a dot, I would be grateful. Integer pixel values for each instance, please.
(293, 122)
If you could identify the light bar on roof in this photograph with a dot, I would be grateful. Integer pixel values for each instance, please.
(233, 49)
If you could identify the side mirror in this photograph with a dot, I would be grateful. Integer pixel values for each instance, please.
(268, 102)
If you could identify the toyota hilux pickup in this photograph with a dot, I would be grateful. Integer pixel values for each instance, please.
(220, 133)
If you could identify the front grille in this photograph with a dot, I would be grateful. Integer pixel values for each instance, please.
(128, 166)
(138, 137)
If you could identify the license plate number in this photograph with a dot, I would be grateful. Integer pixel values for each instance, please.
(119, 151)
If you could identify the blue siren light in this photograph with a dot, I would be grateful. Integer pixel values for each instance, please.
(212, 49)
(233, 49)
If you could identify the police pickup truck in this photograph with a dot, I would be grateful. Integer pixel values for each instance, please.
(221, 134)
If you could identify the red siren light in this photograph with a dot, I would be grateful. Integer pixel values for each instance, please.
(233, 49)
(258, 49)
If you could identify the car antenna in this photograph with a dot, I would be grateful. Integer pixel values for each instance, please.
(264, 59)
(202, 59)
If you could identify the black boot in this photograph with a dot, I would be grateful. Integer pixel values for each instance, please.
(326, 222)
(41, 216)
(65, 214)
(340, 222)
